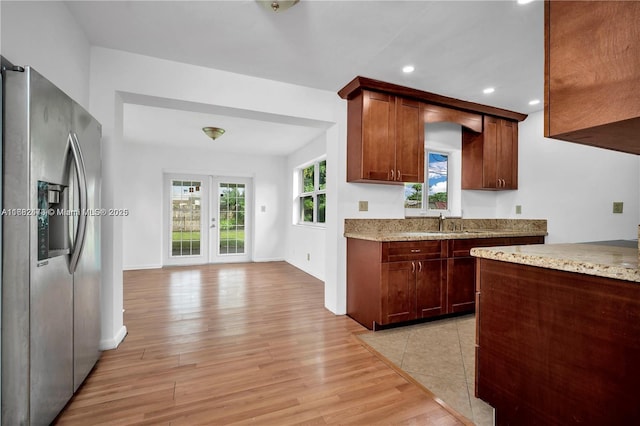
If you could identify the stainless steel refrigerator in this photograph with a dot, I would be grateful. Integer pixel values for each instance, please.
(51, 274)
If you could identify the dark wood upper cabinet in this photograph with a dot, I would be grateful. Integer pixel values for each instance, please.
(490, 158)
(592, 73)
(385, 135)
(385, 139)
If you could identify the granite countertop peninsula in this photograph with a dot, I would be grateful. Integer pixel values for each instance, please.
(419, 229)
(591, 258)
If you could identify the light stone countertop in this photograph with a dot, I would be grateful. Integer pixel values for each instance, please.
(591, 259)
(436, 235)
(426, 228)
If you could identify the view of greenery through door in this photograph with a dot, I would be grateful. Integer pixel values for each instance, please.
(231, 216)
(185, 217)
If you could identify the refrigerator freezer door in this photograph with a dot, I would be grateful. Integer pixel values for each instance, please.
(51, 310)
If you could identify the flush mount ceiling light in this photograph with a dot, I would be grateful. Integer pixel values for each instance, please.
(213, 132)
(278, 5)
(534, 102)
(408, 69)
(488, 90)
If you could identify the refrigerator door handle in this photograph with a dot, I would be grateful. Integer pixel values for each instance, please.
(78, 242)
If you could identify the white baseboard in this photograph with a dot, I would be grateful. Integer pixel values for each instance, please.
(275, 259)
(134, 267)
(112, 343)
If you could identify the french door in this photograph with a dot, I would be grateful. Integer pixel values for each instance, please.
(207, 220)
(230, 220)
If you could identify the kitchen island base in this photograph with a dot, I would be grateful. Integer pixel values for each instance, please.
(556, 347)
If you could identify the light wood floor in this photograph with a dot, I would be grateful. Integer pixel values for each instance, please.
(242, 344)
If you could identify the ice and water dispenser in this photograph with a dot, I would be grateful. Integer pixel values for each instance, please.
(53, 220)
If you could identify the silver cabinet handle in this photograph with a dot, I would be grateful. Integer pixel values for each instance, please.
(392, 175)
(419, 266)
(78, 241)
(399, 175)
(413, 267)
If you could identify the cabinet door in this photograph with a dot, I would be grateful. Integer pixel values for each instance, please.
(409, 141)
(378, 136)
(429, 288)
(489, 153)
(398, 292)
(490, 158)
(507, 155)
(461, 284)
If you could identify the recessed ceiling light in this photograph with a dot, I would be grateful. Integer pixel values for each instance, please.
(524, 1)
(534, 102)
(488, 90)
(408, 68)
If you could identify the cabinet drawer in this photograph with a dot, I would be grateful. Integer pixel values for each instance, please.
(461, 248)
(413, 250)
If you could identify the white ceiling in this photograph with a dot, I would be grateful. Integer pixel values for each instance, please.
(457, 47)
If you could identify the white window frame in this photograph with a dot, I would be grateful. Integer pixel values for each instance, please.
(424, 209)
(314, 194)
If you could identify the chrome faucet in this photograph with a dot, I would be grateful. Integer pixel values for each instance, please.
(441, 219)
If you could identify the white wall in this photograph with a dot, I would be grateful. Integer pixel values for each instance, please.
(142, 169)
(118, 76)
(44, 35)
(573, 186)
(305, 244)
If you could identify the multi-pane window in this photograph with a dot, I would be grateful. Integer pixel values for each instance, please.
(437, 183)
(312, 196)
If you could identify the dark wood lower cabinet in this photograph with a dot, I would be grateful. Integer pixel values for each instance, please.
(461, 288)
(555, 347)
(412, 290)
(396, 282)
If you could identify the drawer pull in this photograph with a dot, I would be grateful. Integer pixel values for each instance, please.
(415, 250)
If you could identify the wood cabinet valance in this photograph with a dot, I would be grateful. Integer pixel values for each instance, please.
(355, 86)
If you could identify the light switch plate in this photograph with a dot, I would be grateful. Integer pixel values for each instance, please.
(617, 206)
(363, 206)
(518, 209)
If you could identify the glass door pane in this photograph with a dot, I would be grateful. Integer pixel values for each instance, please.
(185, 238)
(231, 218)
(186, 217)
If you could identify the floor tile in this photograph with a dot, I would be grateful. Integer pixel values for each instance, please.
(441, 356)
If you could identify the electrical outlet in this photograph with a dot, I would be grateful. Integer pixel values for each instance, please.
(363, 206)
(617, 206)
(518, 209)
